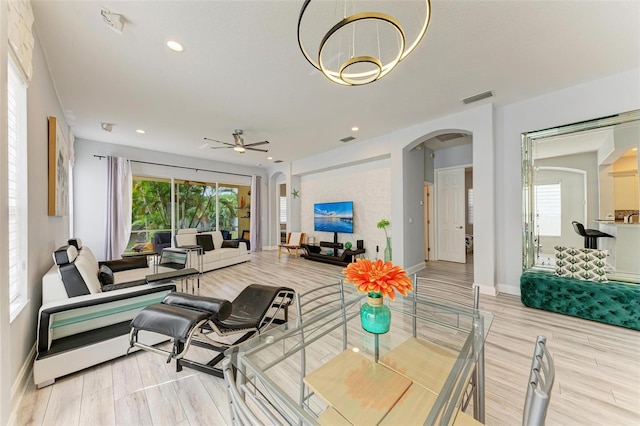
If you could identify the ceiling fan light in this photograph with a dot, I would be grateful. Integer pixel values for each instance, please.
(239, 148)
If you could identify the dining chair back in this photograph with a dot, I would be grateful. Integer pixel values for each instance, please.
(541, 380)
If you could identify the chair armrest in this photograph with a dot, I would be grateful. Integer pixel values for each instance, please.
(126, 263)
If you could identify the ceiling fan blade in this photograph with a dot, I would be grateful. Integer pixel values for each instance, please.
(222, 147)
(215, 140)
(257, 143)
(255, 149)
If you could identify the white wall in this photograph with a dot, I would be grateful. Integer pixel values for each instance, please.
(429, 158)
(407, 175)
(45, 233)
(454, 156)
(367, 185)
(586, 101)
(90, 183)
(413, 189)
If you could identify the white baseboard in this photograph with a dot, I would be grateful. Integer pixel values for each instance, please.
(509, 289)
(489, 290)
(415, 268)
(19, 386)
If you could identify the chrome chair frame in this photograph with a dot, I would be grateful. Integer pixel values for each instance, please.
(540, 384)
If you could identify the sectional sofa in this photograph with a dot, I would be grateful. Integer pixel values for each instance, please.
(84, 320)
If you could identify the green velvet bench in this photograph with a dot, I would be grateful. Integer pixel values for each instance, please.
(610, 302)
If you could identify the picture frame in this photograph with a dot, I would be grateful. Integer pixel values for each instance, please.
(58, 175)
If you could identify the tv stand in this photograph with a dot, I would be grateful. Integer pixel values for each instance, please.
(342, 259)
(335, 246)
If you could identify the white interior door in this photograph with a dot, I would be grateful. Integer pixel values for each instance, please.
(451, 215)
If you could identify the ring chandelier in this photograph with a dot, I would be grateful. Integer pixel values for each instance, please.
(361, 47)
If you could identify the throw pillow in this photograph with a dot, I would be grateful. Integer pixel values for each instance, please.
(230, 244)
(105, 275)
(581, 263)
(205, 241)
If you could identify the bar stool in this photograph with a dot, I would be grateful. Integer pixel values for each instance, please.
(590, 235)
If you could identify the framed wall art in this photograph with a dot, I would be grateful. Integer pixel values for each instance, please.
(58, 170)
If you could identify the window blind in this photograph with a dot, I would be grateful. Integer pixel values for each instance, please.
(548, 209)
(283, 209)
(16, 263)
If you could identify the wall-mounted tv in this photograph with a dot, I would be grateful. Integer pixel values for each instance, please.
(333, 217)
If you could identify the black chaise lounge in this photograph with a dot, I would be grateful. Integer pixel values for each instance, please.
(189, 319)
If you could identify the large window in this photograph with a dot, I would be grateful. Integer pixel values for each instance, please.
(17, 188)
(548, 210)
(203, 205)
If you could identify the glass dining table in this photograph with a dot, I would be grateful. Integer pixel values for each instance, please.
(323, 368)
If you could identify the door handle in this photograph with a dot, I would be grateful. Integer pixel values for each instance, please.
(459, 227)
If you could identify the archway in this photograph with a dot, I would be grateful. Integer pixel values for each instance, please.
(406, 166)
(448, 151)
(277, 195)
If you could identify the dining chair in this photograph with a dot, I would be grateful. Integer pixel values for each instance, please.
(540, 384)
(446, 293)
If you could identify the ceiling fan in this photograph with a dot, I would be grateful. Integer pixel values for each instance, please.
(238, 144)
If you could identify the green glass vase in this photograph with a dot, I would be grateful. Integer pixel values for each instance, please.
(387, 250)
(375, 316)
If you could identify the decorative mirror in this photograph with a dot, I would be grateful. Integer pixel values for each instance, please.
(583, 175)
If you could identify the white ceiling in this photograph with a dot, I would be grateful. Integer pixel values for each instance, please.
(242, 69)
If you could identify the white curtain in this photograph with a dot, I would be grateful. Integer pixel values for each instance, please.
(118, 206)
(255, 239)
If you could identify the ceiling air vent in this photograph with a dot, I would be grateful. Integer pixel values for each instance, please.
(478, 97)
(278, 161)
(347, 139)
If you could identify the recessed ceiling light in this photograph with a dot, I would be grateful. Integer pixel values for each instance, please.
(355, 128)
(175, 46)
(142, 132)
(269, 158)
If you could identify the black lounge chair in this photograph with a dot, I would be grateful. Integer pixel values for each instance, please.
(190, 319)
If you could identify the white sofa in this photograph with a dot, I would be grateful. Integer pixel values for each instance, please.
(224, 253)
(83, 322)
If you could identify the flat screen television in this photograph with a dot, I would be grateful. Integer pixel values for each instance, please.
(333, 217)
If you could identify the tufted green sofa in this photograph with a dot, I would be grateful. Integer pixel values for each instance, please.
(611, 302)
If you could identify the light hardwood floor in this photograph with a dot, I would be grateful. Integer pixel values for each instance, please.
(597, 365)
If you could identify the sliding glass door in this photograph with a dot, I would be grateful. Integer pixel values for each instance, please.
(150, 212)
(205, 206)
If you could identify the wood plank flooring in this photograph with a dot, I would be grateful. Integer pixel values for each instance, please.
(597, 365)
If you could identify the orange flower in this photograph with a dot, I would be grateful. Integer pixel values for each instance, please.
(378, 276)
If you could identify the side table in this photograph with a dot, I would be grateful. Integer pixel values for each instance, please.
(198, 251)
